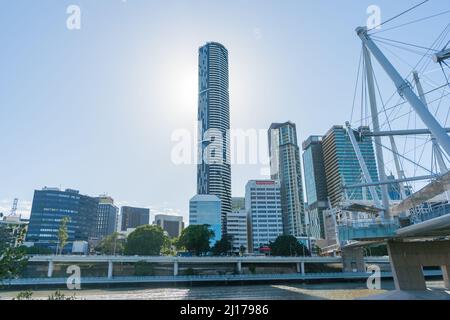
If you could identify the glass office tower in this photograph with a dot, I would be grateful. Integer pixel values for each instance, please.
(134, 217)
(316, 185)
(342, 166)
(206, 210)
(285, 167)
(50, 206)
(107, 217)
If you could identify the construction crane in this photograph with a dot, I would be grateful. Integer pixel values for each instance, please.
(13, 212)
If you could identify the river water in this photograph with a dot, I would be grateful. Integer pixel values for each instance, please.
(286, 291)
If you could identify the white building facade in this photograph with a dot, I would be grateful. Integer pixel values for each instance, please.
(264, 214)
(237, 229)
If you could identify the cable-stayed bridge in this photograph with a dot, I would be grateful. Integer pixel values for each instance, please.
(410, 137)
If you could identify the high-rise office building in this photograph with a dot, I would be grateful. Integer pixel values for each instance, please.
(285, 166)
(134, 217)
(264, 214)
(173, 225)
(316, 186)
(214, 169)
(394, 192)
(50, 206)
(237, 225)
(237, 203)
(107, 217)
(205, 209)
(342, 166)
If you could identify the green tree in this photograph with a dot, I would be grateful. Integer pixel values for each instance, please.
(195, 239)
(112, 244)
(63, 235)
(35, 250)
(143, 268)
(168, 247)
(285, 246)
(223, 246)
(12, 259)
(145, 241)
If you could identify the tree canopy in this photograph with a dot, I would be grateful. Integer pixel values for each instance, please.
(112, 244)
(63, 234)
(285, 246)
(195, 239)
(12, 259)
(146, 240)
(223, 246)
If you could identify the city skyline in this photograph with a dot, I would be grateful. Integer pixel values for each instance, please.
(66, 55)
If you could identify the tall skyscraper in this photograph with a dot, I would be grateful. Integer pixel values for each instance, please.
(107, 217)
(263, 206)
(50, 206)
(342, 166)
(173, 225)
(285, 167)
(205, 209)
(316, 185)
(214, 169)
(134, 217)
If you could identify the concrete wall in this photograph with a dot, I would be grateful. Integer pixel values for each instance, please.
(408, 258)
(353, 259)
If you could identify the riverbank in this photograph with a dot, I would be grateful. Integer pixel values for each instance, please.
(282, 291)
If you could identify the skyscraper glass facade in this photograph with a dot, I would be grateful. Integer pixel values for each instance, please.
(214, 169)
(107, 217)
(316, 185)
(342, 166)
(50, 206)
(206, 210)
(285, 166)
(134, 217)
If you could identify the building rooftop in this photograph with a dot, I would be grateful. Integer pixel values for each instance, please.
(205, 197)
(311, 140)
(168, 217)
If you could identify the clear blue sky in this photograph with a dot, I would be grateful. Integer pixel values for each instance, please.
(94, 109)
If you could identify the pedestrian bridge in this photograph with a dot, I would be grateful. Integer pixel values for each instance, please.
(176, 261)
(204, 279)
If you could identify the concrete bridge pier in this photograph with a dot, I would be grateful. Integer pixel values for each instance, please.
(301, 268)
(446, 275)
(110, 269)
(409, 258)
(239, 267)
(50, 269)
(353, 259)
